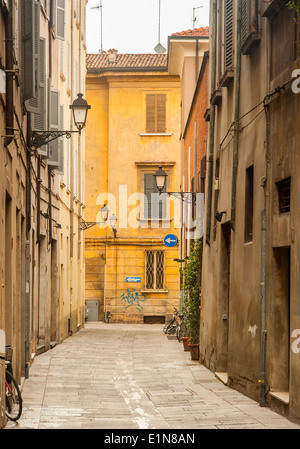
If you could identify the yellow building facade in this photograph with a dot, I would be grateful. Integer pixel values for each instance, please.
(134, 128)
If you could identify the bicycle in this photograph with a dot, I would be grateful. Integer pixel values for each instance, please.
(13, 397)
(180, 331)
(171, 326)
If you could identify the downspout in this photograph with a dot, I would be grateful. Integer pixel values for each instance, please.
(9, 71)
(237, 89)
(49, 104)
(211, 123)
(263, 333)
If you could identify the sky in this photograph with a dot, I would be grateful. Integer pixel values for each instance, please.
(132, 26)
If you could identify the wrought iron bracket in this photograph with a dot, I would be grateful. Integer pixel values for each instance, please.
(87, 224)
(189, 197)
(41, 138)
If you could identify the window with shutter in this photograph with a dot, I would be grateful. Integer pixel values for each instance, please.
(250, 33)
(220, 39)
(228, 38)
(155, 204)
(60, 19)
(225, 68)
(60, 169)
(53, 159)
(30, 25)
(156, 113)
(40, 117)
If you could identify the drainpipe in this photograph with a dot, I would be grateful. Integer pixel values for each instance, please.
(211, 123)
(9, 71)
(237, 89)
(263, 333)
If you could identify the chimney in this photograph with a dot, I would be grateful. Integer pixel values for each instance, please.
(112, 55)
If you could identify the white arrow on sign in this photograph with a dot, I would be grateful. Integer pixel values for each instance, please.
(169, 240)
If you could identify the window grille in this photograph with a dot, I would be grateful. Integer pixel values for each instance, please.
(284, 193)
(155, 270)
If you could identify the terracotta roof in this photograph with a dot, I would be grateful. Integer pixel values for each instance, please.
(105, 61)
(196, 32)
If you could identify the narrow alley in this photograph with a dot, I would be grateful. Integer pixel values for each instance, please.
(124, 376)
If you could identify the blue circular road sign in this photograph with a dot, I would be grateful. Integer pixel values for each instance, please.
(170, 240)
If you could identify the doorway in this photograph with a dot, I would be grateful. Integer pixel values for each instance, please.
(224, 296)
(280, 319)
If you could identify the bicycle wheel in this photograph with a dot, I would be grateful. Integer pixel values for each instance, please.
(172, 329)
(179, 333)
(167, 325)
(13, 401)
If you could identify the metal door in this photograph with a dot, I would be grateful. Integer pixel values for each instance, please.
(93, 309)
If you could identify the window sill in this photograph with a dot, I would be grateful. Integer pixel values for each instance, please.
(155, 134)
(149, 290)
(282, 396)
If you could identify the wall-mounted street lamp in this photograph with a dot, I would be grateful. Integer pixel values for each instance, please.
(80, 109)
(160, 180)
(104, 215)
(113, 224)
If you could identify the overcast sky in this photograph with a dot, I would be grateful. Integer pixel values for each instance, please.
(132, 26)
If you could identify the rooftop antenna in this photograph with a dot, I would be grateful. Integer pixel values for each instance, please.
(159, 47)
(100, 8)
(194, 15)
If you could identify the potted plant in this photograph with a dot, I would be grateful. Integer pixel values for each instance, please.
(191, 286)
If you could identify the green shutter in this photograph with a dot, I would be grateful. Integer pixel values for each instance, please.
(53, 159)
(30, 31)
(152, 209)
(228, 59)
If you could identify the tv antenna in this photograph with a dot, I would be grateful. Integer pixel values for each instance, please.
(101, 23)
(159, 47)
(194, 15)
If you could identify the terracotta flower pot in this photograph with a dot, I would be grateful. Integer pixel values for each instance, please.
(185, 341)
(194, 348)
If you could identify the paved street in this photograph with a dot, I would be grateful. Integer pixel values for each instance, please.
(119, 376)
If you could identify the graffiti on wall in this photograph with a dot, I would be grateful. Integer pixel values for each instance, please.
(132, 298)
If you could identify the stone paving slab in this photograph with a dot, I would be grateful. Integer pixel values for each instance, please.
(121, 376)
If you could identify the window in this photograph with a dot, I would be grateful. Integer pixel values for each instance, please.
(59, 18)
(284, 195)
(250, 25)
(154, 270)
(249, 205)
(155, 204)
(225, 42)
(30, 25)
(156, 113)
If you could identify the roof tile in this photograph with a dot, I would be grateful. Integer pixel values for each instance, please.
(98, 61)
(196, 32)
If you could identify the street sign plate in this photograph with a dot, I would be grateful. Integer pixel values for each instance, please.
(170, 240)
(133, 279)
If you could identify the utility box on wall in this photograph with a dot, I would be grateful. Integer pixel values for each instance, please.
(93, 309)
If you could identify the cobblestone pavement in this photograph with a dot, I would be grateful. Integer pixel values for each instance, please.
(121, 376)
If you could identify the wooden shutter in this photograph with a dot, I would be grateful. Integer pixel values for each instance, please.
(150, 112)
(60, 169)
(245, 19)
(53, 159)
(220, 40)
(156, 113)
(40, 117)
(228, 44)
(30, 24)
